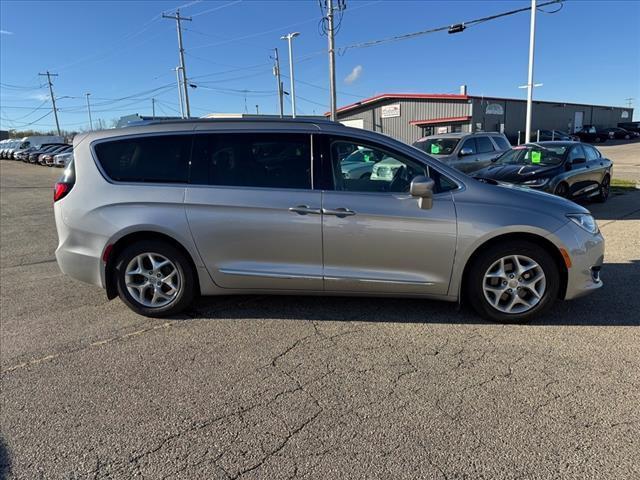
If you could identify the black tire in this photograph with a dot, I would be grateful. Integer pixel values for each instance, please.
(605, 189)
(475, 278)
(186, 290)
(562, 190)
(597, 140)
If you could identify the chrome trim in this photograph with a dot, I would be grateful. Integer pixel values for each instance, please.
(305, 209)
(379, 280)
(254, 273)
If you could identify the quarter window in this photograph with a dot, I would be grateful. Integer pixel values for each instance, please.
(158, 159)
(484, 145)
(253, 160)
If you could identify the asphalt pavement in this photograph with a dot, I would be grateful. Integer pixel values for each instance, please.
(309, 387)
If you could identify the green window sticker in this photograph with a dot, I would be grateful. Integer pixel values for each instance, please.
(535, 157)
(367, 157)
(435, 149)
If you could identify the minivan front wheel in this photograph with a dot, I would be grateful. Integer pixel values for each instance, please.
(154, 278)
(513, 282)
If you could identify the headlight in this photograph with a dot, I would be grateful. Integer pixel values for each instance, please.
(538, 182)
(584, 221)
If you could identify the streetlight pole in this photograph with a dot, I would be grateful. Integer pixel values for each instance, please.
(532, 42)
(289, 37)
(89, 111)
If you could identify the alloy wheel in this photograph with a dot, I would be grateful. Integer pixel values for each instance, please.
(153, 280)
(514, 284)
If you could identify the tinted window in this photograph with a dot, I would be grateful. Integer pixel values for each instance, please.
(162, 158)
(576, 152)
(484, 145)
(385, 171)
(592, 153)
(253, 160)
(502, 143)
(470, 144)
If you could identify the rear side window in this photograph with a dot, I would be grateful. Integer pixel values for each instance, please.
(484, 145)
(502, 143)
(267, 160)
(156, 159)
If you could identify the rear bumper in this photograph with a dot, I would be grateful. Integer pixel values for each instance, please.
(586, 252)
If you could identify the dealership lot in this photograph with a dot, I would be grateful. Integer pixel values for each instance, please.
(279, 387)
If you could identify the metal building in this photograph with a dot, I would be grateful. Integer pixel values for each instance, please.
(410, 116)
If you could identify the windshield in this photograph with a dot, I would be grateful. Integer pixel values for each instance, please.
(533, 155)
(438, 146)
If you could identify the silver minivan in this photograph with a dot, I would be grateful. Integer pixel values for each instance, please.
(159, 213)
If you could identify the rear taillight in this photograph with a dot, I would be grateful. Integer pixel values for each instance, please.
(60, 190)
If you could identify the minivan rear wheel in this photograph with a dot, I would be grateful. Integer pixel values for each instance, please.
(154, 278)
(513, 282)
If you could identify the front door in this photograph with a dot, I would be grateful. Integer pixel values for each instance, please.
(253, 214)
(375, 236)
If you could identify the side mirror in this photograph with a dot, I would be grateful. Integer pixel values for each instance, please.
(578, 161)
(422, 187)
(465, 151)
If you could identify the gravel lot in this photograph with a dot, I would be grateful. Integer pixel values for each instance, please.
(286, 387)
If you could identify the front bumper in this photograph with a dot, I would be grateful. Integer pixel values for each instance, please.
(586, 252)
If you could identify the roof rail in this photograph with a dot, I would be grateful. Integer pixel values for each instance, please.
(316, 120)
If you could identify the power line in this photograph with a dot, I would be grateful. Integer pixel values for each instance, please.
(220, 7)
(451, 28)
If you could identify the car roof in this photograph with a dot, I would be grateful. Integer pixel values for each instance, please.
(553, 143)
(459, 135)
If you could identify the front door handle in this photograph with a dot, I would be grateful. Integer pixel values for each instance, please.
(339, 212)
(304, 210)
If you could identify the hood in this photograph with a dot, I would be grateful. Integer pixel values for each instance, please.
(516, 173)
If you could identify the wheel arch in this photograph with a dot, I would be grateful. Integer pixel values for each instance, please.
(544, 243)
(116, 248)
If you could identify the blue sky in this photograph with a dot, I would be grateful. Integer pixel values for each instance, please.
(588, 52)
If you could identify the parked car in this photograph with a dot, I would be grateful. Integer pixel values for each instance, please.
(159, 213)
(63, 159)
(9, 153)
(630, 126)
(567, 169)
(358, 163)
(35, 153)
(47, 158)
(592, 134)
(621, 133)
(466, 152)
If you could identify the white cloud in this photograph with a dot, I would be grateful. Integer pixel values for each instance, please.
(5, 32)
(354, 75)
(39, 96)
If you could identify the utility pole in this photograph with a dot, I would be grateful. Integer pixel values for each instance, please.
(289, 37)
(332, 60)
(185, 84)
(257, 109)
(153, 107)
(89, 111)
(629, 101)
(532, 42)
(179, 92)
(53, 99)
(276, 72)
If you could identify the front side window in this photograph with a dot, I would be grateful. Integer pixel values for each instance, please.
(575, 153)
(484, 145)
(154, 159)
(266, 160)
(470, 144)
(385, 171)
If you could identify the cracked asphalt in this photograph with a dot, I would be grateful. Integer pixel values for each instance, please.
(309, 387)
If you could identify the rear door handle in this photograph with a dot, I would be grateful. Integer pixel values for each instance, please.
(339, 212)
(305, 210)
